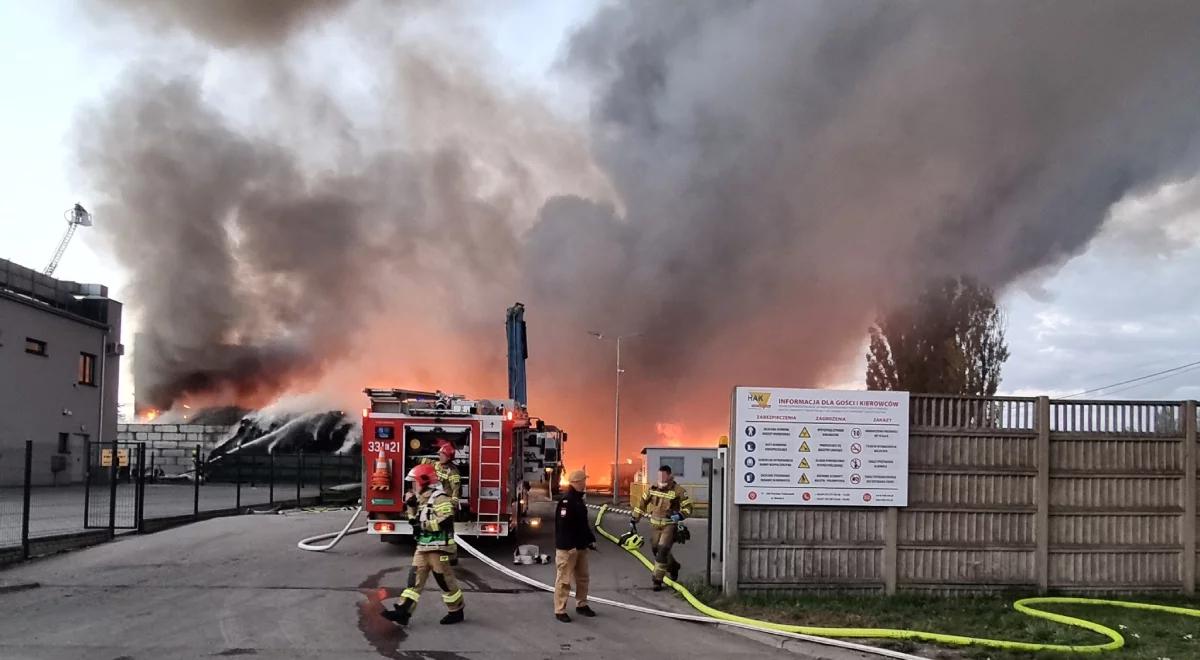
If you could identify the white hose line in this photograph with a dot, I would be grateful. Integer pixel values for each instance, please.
(307, 544)
(524, 579)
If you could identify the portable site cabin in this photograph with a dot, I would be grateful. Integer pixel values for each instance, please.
(692, 468)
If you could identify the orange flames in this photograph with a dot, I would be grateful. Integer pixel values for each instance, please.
(434, 354)
(670, 433)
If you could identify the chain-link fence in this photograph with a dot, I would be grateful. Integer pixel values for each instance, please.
(124, 492)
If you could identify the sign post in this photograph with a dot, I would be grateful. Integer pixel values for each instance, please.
(799, 447)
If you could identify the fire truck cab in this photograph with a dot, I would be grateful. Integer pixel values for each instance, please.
(403, 427)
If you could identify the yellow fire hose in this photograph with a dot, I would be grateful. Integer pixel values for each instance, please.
(1025, 606)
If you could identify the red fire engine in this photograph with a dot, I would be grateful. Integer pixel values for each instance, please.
(403, 427)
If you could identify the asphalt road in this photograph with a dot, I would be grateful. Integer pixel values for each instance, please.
(239, 587)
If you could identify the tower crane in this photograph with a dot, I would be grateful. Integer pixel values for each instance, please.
(76, 217)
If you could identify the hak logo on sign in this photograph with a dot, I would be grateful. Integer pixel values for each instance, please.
(760, 399)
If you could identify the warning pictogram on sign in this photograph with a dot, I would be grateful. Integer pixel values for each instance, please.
(804, 433)
(804, 446)
(806, 496)
(804, 478)
(804, 463)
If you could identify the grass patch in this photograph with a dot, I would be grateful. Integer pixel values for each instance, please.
(1148, 635)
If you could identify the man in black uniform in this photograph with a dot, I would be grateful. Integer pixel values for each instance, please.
(573, 538)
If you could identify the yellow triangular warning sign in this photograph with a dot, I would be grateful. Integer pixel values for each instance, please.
(803, 478)
(804, 446)
(804, 463)
(804, 433)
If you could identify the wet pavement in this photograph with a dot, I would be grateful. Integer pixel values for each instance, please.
(239, 587)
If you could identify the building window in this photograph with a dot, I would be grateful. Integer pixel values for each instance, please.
(35, 346)
(64, 443)
(87, 369)
(675, 463)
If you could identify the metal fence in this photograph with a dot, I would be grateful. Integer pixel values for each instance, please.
(1004, 493)
(123, 492)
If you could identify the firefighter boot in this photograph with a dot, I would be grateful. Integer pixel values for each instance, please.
(453, 617)
(657, 585)
(398, 615)
(674, 571)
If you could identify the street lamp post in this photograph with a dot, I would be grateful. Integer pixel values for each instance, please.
(616, 476)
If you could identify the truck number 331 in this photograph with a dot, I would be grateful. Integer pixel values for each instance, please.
(376, 445)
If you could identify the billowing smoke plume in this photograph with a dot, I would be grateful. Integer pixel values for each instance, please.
(269, 252)
(790, 168)
(231, 22)
(758, 180)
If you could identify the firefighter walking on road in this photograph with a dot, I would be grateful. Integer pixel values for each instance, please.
(573, 538)
(431, 514)
(667, 504)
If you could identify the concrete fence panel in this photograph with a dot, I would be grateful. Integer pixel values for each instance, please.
(1077, 496)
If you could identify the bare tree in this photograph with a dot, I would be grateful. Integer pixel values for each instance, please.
(950, 340)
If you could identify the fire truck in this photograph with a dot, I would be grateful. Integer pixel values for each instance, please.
(402, 427)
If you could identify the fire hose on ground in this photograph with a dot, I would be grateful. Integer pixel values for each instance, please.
(1027, 606)
(311, 544)
(821, 634)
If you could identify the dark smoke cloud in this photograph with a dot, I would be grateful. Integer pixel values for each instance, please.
(238, 259)
(231, 22)
(265, 253)
(779, 173)
(790, 168)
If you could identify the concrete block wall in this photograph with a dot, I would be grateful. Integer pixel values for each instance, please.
(172, 445)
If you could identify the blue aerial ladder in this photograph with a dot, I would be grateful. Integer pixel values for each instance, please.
(541, 445)
(518, 352)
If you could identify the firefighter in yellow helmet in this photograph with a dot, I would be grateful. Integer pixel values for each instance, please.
(667, 504)
(431, 515)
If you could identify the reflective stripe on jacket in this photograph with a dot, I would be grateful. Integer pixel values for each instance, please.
(434, 521)
(660, 502)
(448, 475)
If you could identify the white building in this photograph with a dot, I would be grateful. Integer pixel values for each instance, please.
(59, 362)
(691, 466)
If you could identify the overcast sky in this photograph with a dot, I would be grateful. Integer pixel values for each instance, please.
(1124, 308)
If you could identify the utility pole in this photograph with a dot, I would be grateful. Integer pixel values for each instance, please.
(616, 475)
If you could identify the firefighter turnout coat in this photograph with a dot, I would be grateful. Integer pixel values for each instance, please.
(659, 502)
(433, 521)
(447, 474)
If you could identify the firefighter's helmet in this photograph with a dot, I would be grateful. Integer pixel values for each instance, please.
(446, 448)
(424, 475)
(631, 541)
